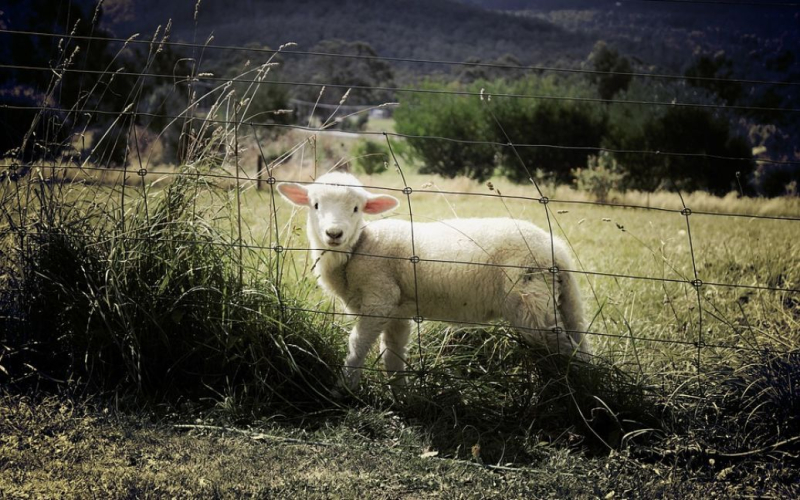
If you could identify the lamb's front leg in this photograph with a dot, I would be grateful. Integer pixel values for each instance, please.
(363, 336)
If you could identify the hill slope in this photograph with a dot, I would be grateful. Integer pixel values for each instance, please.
(439, 29)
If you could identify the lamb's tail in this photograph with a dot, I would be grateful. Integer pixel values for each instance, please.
(571, 307)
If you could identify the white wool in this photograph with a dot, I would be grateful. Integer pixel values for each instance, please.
(467, 270)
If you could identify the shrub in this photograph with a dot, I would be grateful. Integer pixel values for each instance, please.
(456, 117)
(371, 157)
(601, 175)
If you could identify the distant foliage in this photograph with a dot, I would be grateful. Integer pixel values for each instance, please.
(456, 117)
(356, 73)
(558, 136)
(553, 127)
(714, 73)
(608, 60)
(504, 69)
(498, 120)
(371, 157)
(777, 180)
(705, 151)
(602, 175)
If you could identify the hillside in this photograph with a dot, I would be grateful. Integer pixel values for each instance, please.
(761, 39)
(439, 29)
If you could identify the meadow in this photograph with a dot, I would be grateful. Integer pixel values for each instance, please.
(162, 333)
(191, 304)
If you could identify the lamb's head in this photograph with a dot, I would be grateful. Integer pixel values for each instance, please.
(337, 204)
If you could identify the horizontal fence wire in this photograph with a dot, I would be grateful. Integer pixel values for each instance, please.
(218, 121)
(246, 179)
(406, 90)
(438, 62)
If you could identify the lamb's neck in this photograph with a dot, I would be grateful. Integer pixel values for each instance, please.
(330, 267)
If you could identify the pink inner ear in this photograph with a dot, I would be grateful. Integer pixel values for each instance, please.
(295, 193)
(380, 204)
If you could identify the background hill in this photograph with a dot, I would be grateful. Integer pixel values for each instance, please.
(439, 29)
(740, 62)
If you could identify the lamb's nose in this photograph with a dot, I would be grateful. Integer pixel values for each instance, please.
(334, 233)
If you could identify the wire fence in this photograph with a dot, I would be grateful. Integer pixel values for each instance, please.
(272, 171)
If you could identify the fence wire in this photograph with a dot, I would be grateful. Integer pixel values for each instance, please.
(18, 169)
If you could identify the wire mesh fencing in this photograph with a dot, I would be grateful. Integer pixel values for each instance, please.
(229, 146)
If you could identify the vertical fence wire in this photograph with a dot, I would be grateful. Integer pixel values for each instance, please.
(544, 201)
(239, 240)
(414, 259)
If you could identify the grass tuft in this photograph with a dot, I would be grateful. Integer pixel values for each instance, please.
(153, 302)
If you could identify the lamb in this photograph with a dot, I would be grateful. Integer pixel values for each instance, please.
(467, 271)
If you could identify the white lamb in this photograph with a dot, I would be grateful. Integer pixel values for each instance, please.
(467, 271)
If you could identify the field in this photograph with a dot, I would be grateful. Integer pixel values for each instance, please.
(162, 333)
(210, 355)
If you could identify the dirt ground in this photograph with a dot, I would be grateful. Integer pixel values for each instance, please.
(56, 448)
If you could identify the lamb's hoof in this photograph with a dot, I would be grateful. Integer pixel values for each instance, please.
(344, 389)
(399, 393)
(337, 394)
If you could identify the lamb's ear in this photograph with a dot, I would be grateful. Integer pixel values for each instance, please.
(295, 193)
(377, 204)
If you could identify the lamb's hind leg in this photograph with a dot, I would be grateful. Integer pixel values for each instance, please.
(531, 309)
(394, 348)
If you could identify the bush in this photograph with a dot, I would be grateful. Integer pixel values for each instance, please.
(455, 117)
(371, 157)
(555, 127)
(601, 175)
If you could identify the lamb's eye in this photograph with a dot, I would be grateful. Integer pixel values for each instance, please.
(316, 206)
(355, 209)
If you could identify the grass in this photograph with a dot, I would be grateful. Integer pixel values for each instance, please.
(168, 297)
(55, 447)
(167, 309)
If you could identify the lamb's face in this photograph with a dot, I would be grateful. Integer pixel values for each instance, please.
(336, 215)
(337, 205)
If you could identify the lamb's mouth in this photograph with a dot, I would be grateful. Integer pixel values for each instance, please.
(334, 242)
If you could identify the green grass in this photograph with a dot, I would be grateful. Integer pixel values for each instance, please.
(168, 297)
(165, 308)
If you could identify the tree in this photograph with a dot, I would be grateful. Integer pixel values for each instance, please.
(718, 69)
(456, 117)
(563, 131)
(359, 71)
(475, 72)
(608, 60)
(701, 152)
